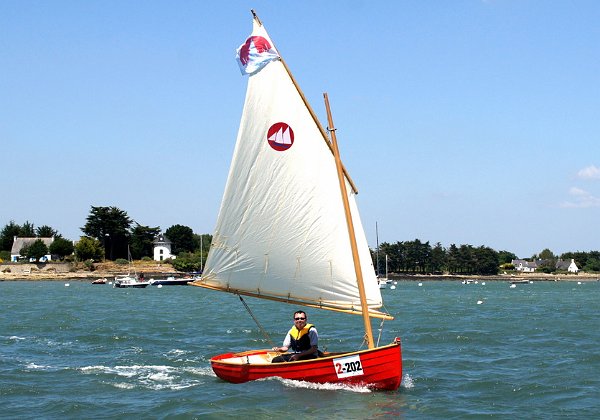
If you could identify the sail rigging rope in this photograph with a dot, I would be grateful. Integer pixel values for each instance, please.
(380, 332)
(381, 326)
(266, 334)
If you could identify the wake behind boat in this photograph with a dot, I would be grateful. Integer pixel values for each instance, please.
(289, 229)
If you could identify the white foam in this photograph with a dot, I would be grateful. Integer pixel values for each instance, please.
(176, 352)
(156, 377)
(327, 387)
(200, 371)
(34, 366)
(407, 382)
(14, 337)
(123, 385)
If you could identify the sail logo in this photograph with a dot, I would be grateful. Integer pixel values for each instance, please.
(280, 136)
(254, 54)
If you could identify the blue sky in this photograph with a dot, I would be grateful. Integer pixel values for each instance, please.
(466, 122)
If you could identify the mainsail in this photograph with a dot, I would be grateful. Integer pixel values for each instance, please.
(281, 231)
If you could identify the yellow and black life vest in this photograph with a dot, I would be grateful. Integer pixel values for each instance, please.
(300, 341)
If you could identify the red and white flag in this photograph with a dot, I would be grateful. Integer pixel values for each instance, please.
(256, 52)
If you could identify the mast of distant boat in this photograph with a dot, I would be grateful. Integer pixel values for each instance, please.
(201, 250)
(351, 232)
(377, 252)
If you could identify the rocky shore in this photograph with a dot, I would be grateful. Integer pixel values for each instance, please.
(61, 271)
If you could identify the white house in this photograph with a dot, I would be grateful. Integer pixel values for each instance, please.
(20, 243)
(570, 266)
(524, 266)
(162, 248)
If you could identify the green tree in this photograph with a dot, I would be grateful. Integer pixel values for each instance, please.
(438, 258)
(453, 259)
(61, 247)
(89, 249)
(546, 254)
(182, 238)
(487, 262)
(203, 241)
(27, 230)
(7, 235)
(466, 259)
(187, 262)
(111, 226)
(46, 232)
(141, 241)
(546, 261)
(592, 263)
(36, 250)
(506, 257)
(391, 250)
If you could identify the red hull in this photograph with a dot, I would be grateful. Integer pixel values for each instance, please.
(379, 368)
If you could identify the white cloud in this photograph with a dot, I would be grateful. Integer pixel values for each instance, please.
(581, 199)
(589, 172)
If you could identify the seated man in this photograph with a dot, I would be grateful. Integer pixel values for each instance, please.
(302, 339)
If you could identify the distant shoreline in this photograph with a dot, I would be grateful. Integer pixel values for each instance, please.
(70, 271)
(152, 269)
(497, 277)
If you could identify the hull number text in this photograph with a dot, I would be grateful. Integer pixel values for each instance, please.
(348, 366)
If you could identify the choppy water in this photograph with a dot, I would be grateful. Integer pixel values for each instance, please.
(470, 351)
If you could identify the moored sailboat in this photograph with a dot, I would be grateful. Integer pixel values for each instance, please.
(289, 229)
(130, 280)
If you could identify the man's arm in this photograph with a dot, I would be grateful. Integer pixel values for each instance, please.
(297, 356)
(286, 344)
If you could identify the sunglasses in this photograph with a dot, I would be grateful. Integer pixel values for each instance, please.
(299, 319)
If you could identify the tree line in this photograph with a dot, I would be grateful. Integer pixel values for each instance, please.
(109, 233)
(421, 258)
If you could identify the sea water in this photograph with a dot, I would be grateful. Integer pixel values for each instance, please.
(469, 351)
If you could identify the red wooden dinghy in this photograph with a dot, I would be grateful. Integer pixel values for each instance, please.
(379, 368)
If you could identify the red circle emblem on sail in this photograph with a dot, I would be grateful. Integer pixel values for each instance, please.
(280, 136)
(260, 43)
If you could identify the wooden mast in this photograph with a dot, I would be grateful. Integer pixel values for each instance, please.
(351, 233)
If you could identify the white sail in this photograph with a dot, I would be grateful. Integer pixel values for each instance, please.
(281, 230)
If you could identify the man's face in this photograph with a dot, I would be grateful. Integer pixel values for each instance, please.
(300, 320)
